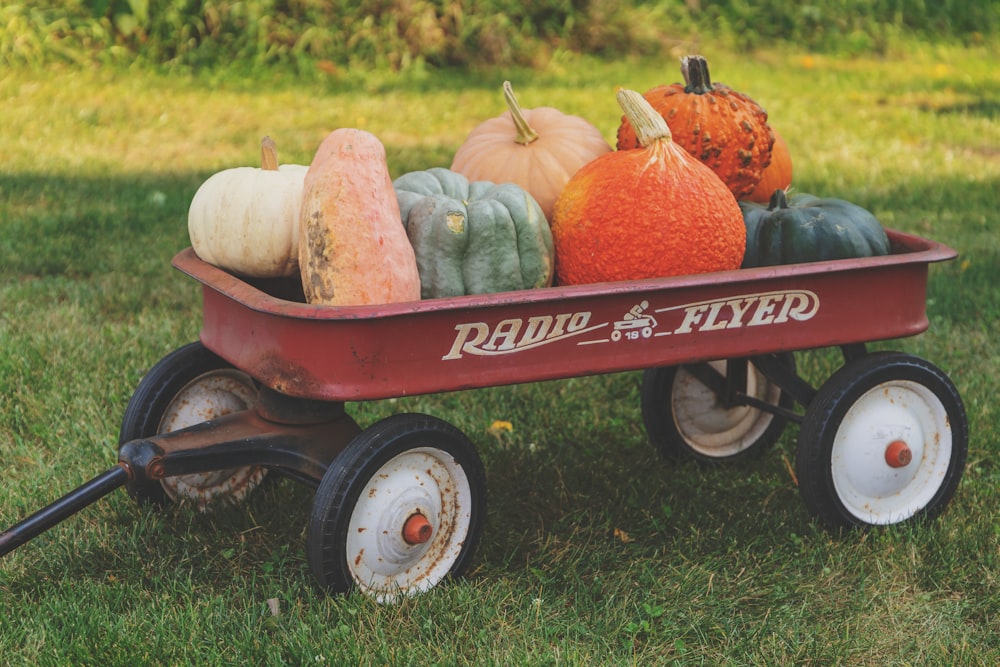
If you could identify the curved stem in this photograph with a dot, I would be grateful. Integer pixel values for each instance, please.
(525, 133)
(649, 125)
(696, 78)
(268, 154)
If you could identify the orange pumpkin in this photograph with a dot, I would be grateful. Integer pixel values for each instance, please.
(353, 247)
(722, 127)
(537, 149)
(777, 175)
(644, 213)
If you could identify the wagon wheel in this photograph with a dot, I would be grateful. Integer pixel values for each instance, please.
(686, 418)
(400, 509)
(189, 386)
(884, 441)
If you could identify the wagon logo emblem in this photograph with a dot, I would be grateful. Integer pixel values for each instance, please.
(640, 322)
(635, 324)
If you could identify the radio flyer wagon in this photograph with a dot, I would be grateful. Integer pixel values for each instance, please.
(399, 504)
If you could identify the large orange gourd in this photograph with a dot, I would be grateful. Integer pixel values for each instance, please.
(644, 213)
(353, 247)
(722, 127)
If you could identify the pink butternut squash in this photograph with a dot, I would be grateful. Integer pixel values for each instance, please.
(353, 248)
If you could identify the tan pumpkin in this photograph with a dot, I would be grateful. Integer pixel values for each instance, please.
(537, 149)
(777, 175)
(353, 247)
(246, 219)
(645, 213)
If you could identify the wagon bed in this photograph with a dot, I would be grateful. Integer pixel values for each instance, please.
(372, 352)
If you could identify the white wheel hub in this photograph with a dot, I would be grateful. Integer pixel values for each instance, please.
(891, 452)
(409, 524)
(711, 429)
(211, 396)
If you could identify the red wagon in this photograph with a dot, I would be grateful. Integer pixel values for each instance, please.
(399, 504)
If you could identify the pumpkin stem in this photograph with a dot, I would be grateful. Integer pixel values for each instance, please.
(268, 154)
(648, 124)
(696, 78)
(778, 200)
(525, 133)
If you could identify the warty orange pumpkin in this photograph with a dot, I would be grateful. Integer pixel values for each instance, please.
(644, 213)
(538, 149)
(722, 127)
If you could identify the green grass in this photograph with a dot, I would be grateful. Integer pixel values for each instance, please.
(723, 566)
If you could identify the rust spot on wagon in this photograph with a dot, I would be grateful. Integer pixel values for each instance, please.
(287, 378)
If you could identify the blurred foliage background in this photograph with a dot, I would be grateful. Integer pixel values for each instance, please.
(326, 36)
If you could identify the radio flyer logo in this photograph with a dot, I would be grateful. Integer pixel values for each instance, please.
(639, 322)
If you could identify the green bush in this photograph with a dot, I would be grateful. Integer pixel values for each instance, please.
(398, 34)
(851, 25)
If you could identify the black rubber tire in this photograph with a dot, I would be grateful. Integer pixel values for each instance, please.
(908, 388)
(152, 398)
(355, 474)
(659, 416)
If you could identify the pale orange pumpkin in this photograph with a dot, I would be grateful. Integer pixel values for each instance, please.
(647, 212)
(353, 247)
(537, 149)
(777, 175)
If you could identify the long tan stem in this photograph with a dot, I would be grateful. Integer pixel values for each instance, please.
(648, 124)
(525, 133)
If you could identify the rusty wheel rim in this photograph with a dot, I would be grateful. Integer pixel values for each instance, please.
(409, 524)
(210, 396)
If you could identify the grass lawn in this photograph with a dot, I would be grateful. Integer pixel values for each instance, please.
(595, 550)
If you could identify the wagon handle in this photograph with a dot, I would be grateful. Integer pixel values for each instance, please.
(68, 505)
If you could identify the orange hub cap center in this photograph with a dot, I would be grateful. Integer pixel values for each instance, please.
(898, 454)
(417, 529)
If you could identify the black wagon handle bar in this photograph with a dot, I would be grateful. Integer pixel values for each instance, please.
(68, 505)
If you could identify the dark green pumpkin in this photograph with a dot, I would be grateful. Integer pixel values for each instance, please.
(804, 228)
(473, 237)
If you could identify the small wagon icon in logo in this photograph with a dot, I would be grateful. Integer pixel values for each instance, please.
(635, 324)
